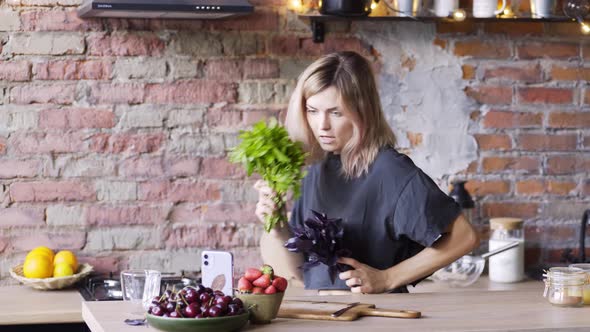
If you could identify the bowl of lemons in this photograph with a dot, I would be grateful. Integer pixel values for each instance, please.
(44, 269)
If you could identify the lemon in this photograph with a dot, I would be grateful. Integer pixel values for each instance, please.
(66, 256)
(38, 266)
(62, 270)
(42, 251)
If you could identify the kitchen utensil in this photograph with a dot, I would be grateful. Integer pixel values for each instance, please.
(51, 283)
(343, 310)
(217, 324)
(324, 311)
(467, 269)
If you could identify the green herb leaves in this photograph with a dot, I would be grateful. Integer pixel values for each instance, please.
(268, 151)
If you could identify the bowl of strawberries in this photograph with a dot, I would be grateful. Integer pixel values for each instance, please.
(262, 292)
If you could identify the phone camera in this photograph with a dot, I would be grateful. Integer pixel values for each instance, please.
(206, 263)
(206, 256)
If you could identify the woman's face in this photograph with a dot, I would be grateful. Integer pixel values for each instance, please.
(331, 124)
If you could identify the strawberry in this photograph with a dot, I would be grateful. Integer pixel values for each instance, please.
(262, 282)
(270, 290)
(257, 290)
(252, 274)
(280, 283)
(244, 285)
(267, 269)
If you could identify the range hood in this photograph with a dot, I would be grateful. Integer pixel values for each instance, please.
(185, 9)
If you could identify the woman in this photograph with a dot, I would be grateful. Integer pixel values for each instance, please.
(397, 223)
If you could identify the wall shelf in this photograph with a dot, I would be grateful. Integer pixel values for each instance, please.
(318, 31)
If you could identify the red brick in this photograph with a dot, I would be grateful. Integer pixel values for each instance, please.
(561, 187)
(440, 43)
(73, 70)
(125, 44)
(568, 164)
(43, 94)
(468, 72)
(569, 120)
(179, 191)
(260, 20)
(10, 168)
(502, 119)
(528, 74)
(484, 188)
(186, 213)
(498, 164)
(141, 167)
(117, 93)
(586, 188)
(231, 212)
(506, 209)
(105, 216)
(465, 27)
(182, 166)
(514, 28)
(566, 30)
(64, 240)
(586, 52)
(221, 168)
(530, 187)
(2, 145)
(586, 142)
(261, 68)
(483, 49)
(57, 20)
(545, 95)
(414, 138)
(104, 264)
(48, 142)
(75, 118)
(490, 94)
(533, 50)
(559, 73)
(48, 191)
(189, 92)
(545, 142)
(587, 97)
(224, 70)
(493, 141)
(206, 236)
(285, 45)
(22, 216)
(15, 71)
(224, 119)
(251, 116)
(126, 143)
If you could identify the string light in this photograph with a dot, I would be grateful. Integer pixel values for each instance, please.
(373, 5)
(585, 28)
(297, 5)
(508, 12)
(459, 15)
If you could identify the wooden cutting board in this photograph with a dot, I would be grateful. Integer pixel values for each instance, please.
(323, 310)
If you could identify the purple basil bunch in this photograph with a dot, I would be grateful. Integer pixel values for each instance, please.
(320, 239)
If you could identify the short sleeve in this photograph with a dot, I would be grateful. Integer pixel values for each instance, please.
(423, 212)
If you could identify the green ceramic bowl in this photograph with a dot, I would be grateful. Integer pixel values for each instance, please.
(218, 324)
(263, 307)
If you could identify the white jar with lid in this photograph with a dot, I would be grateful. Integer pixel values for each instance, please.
(507, 266)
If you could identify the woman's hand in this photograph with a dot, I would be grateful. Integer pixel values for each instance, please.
(364, 279)
(266, 204)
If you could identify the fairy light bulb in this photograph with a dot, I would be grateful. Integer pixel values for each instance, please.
(585, 28)
(296, 5)
(373, 5)
(508, 12)
(459, 15)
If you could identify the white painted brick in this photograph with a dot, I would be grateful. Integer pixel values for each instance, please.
(185, 117)
(123, 238)
(168, 260)
(17, 117)
(61, 215)
(136, 68)
(116, 191)
(51, 43)
(140, 117)
(182, 68)
(91, 166)
(9, 20)
(238, 191)
(198, 144)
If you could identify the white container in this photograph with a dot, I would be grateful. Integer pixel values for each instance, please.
(487, 8)
(509, 265)
(445, 8)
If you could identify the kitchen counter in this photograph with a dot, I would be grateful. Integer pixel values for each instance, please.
(514, 310)
(24, 305)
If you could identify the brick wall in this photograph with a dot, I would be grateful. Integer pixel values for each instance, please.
(113, 132)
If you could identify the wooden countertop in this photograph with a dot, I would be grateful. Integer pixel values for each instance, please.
(24, 305)
(514, 310)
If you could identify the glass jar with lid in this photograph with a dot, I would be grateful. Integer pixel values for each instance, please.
(507, 266)
(564, 286)
(586, 268)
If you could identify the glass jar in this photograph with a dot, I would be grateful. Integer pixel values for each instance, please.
(586, 292)
(564, 286)
(507, 266)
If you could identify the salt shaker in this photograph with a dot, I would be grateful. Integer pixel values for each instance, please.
(509, 265)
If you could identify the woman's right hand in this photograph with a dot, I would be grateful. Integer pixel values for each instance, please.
(266, 204)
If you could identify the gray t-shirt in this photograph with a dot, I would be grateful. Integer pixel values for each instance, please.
(389, 214)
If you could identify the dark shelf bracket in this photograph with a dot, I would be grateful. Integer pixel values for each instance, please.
(317, 30)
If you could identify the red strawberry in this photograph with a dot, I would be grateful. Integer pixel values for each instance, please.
(270, 290)
(244, 284)
(252, 274)
(280, 283)
(267, 269)
(257, 290)
(262, 282)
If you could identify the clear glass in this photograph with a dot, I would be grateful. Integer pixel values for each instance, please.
(140, 286)
(507, 266)
(564, 286)
(586, 292)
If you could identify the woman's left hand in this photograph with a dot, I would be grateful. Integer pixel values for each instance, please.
(363, 278)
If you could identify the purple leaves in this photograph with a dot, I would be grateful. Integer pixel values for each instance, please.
(321, 240)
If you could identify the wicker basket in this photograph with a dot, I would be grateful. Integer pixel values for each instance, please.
(51, 283)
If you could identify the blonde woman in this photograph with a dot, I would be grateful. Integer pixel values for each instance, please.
(399, 226)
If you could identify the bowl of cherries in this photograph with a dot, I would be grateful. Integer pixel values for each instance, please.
(197, 309)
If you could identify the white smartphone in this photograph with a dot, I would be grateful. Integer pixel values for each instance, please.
(217, 271)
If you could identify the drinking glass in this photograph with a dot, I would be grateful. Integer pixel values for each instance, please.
(140, 286)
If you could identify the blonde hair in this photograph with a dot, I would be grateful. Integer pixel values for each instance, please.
(351, 75)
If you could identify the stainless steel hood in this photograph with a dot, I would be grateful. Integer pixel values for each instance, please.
(185, 9)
